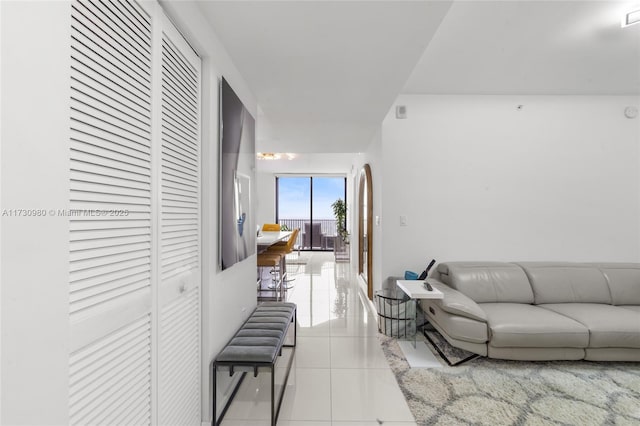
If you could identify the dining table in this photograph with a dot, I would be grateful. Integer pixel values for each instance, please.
(268, 238)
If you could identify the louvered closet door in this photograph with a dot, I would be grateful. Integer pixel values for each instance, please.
(134, 287)
(110, 275)
(179, 325)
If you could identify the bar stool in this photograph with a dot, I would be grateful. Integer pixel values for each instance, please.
(284, 249)
(275, 261)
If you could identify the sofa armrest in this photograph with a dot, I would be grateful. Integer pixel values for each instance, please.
(457, 303)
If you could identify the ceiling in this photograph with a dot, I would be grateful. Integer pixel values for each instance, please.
(325, 73)
(532, 47)
(310, 163)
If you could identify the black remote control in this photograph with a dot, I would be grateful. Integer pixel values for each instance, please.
(428, 286)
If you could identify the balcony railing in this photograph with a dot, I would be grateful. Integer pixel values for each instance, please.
(320, 241)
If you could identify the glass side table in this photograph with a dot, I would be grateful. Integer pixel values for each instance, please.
(417, 289)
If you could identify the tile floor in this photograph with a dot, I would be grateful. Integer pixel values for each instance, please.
(340, 376)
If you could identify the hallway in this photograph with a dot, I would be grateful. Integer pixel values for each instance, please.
(340, 376)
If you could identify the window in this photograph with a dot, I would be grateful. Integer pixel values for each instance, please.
(305, 202)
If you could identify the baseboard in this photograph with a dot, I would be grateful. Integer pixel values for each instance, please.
(362, 286)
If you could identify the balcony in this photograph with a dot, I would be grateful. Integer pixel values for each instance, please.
(317, 236)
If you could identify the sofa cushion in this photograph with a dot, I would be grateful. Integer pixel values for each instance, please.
(631, 307)
(558, 282)
(520, 325)
(624, 282)
(609, 326)
(489, 282)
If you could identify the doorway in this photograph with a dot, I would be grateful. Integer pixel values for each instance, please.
(365, 228)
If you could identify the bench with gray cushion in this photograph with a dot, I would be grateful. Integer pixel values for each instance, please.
(539, 310)
(257, 344)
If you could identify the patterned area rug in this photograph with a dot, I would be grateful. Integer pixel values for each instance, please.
(496, 392)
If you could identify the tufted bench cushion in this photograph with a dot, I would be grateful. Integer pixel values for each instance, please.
(260, 338)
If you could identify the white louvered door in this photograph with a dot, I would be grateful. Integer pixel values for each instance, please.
(110, 243)
(134, 274)
(180, 272)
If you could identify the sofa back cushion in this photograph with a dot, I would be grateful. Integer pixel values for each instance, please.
(489, 282)
(624, 282)
(560, 282)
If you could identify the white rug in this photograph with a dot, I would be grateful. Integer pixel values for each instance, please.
(496, 392)
(418, 356)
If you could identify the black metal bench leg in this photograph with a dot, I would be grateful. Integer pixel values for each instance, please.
(273, 394)
(214, 390)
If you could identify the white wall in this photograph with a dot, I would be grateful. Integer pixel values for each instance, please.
(266, 205)
(34, 175)
(479, 179)
(229, 296)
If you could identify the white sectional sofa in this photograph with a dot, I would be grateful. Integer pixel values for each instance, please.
(539, 310)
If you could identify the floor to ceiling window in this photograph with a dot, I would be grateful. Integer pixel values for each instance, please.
(305, 202)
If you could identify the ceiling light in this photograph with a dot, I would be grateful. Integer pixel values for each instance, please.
(275, 156)
(268, 156)
(631, 18)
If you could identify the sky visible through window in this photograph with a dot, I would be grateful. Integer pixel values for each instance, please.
(294, 196)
